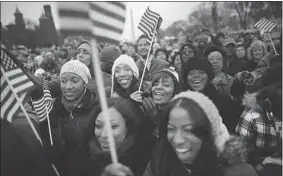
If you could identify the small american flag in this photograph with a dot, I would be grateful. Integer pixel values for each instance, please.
(20, 82)
(150, 23)
(265, 25)
(45, 104)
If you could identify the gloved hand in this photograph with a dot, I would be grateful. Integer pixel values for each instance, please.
(117, 170)
(149, 108)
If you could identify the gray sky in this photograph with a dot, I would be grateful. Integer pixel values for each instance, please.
(169, 11)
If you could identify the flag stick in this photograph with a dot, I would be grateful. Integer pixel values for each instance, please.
(49, 127)
(272, 43)
(145, 66)
(21, 106)
(103, 101)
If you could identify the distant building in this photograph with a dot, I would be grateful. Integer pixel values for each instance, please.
(28, 33)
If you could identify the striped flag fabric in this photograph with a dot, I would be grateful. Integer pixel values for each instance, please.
(150, 23)
(265, 25)
(104, 20)
(15, 76)
(45, 104)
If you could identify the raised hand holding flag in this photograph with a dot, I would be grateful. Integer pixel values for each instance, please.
(149, 25)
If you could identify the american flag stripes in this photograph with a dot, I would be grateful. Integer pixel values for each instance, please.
(20, 82)
(265, 25)
(150, 23)
(45, 104)
(104, 20)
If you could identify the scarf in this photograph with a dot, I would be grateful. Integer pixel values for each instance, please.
(70, 105)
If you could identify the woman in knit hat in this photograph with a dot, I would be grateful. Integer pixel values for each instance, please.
(125, 79)
(128, 134)
(197, 76)
(70, 116)
(191, 136)
(222, 81)
(165, 86)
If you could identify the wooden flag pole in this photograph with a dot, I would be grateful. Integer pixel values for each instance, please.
(103, 100)
(145, 66)
(22, 107)
(49, 127)
(272, 43)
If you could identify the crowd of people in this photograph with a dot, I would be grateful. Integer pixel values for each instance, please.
(208, 105)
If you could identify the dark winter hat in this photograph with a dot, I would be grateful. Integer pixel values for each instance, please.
(198, 63)
(110, 53)
(213, 48)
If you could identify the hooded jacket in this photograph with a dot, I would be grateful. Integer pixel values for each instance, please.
(165, 161)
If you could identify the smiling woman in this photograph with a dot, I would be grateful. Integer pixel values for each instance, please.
(125, 75)
(127, 132)
(190, 137)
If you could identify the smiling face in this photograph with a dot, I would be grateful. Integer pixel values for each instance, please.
(72, 86)
(124, 75)
(143, 47)
(197, 79)
(163, 90)
(179, 134)
(257, 53)
(119, 130)
(216, 60)
(84, 54)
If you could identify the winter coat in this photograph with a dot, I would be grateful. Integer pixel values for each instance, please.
(21, 152)
(260, 129)
(237, 65)
(70, 134)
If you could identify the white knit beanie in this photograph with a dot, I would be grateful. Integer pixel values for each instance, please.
(77, 67)
(220, 133)
(127, 60)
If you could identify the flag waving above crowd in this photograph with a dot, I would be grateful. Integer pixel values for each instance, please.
(150, 23)
(104, 20)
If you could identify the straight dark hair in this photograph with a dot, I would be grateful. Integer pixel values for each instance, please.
(165, 161)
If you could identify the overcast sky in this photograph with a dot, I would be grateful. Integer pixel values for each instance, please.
(169, 11)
